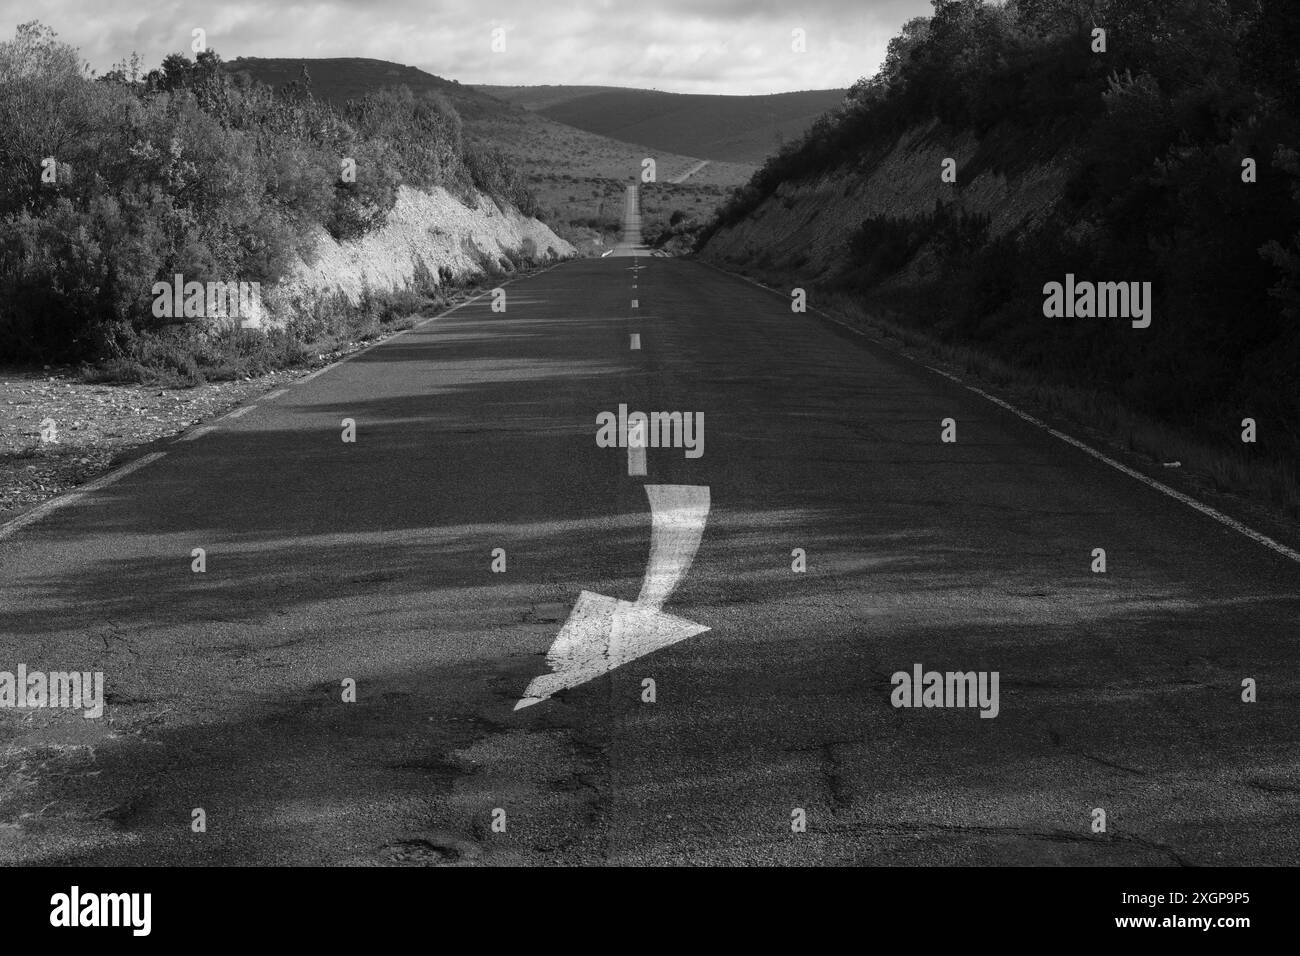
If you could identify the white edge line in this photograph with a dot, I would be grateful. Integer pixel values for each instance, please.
(1188, 500)
(1174, 493)
(198, 433)
(241, 410)
(103, 481)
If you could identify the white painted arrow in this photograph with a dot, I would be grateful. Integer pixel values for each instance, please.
(603, 633)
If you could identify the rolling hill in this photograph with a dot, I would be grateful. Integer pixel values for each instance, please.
(577, 175)
(738, 129)
(344, 78)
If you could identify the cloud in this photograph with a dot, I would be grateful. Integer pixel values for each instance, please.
(725, 46)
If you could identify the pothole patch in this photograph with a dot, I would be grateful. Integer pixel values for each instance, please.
(551, 613)
(431, 849)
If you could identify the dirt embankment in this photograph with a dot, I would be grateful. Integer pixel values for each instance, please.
(803, 228)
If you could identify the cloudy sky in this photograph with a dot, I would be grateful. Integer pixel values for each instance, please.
(686, 46)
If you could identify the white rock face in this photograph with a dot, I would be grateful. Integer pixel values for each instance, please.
(428, 231)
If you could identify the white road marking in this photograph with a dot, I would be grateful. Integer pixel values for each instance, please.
(603, 633)
(635, 304)
(636, 340)
(199, 432)
(241, 411)
(276, 394)
(40, 511)
(635, 460)
(1191, 502)
(677, 517)
(636, 444)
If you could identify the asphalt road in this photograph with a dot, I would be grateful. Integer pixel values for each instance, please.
(372, 561)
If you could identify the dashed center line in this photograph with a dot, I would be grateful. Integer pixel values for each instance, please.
(636, 442)
(636, 340)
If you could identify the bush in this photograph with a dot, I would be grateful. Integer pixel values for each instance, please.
(194, 170)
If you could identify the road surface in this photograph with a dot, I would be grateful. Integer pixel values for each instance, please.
(372, 561)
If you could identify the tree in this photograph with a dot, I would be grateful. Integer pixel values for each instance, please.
(44, 110)
(1054, 17)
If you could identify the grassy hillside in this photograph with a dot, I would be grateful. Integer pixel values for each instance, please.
(1127, 164)
(737, 129)
(544, 96)
(577, 176)
(339, 79)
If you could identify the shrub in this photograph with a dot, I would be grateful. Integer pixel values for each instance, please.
(195, 170)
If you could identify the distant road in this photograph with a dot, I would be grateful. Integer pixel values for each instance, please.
(631, 244)
(691, 172)
(372, 561)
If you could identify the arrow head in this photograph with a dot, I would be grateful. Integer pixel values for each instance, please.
(603, 633)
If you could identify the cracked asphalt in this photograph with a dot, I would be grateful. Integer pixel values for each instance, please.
(371, 561)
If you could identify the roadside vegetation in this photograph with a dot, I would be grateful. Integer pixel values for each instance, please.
(109, 184)
(674, 233)
(1155, 133)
